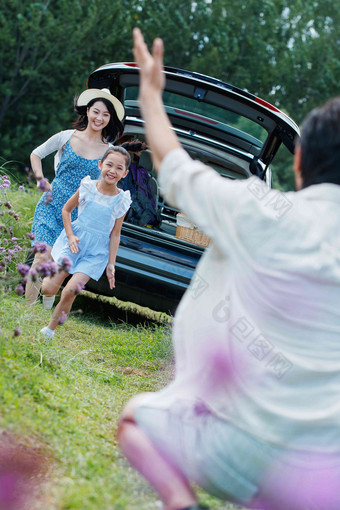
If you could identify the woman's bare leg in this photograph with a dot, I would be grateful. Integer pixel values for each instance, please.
(33, 287)
(173, 489)
(68, 295)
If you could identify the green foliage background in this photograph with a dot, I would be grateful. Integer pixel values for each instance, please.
(286, 52)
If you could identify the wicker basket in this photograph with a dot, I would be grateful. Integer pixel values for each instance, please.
(188, 231)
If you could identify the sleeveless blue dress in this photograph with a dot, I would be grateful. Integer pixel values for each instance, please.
(47, 221)
(97, 216)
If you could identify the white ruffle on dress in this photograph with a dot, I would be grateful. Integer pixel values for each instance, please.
(96, 219)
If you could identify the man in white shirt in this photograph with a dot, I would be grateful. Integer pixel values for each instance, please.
(253, 413)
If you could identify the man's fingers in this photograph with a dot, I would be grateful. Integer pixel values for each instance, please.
(140, 50)
(157, 51)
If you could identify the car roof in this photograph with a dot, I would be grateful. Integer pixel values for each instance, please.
(207, 105)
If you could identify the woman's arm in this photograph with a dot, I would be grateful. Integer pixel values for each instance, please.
(37, 170)
(113, 248)
(71, 204)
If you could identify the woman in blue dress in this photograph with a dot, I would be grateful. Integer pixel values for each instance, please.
(78, 152)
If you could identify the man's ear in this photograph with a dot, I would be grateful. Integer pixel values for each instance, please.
(297, 167)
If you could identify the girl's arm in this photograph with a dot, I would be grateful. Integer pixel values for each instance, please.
(113, 248)
(71, 204)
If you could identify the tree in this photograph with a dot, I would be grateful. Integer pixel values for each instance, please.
(51, 47)
(287, 53)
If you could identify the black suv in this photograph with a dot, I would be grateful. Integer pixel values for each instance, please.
(227, 128)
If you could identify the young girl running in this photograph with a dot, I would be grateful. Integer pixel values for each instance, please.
(91, 241)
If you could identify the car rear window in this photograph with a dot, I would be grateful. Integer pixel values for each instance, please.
(222, 118)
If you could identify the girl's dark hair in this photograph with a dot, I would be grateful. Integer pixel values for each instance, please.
(320, 145)
(121, 150)
(113, 130)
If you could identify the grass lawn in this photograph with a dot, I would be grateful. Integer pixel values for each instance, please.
(66, 397)
(62, 398)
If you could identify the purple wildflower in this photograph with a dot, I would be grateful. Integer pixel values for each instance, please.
(80, 286)
(48, 268)
(14, 240)
(20, 289)
(43, 184)
(30, 235)
(22, 187)
(8, 205)
(27, 170)
(33, 274)
(16, 216)
(23, 269)
(52, 267)
(48, 197)
(5, 241)
(66, 264)
(62, 318)
(2, 267)
(43, 270)
(16, 332)
(8, 259)
(40, 247)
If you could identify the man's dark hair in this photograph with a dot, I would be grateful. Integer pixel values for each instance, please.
(320, 145)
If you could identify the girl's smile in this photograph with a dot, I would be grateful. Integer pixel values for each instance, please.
(113, 169)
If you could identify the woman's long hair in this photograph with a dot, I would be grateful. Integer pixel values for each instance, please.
(111, 132)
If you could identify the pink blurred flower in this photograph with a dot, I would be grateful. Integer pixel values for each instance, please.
(296, 485)
(62, 318)
(80, 286)
(22, 470)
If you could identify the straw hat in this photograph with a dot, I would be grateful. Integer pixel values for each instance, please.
(89, 94)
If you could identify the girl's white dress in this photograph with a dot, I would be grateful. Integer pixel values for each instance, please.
(96, 219)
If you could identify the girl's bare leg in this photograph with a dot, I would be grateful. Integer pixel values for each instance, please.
(173, 489)
(33, 287)
(68, 295)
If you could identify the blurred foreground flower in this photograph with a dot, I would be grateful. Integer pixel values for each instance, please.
(22, 470)
(43, 184)
(48, 197)
(48, 268)
(66, 264)
(80, 286)
(40, 247)
(62, 318)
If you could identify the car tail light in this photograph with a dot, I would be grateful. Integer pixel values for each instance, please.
(266, 104)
